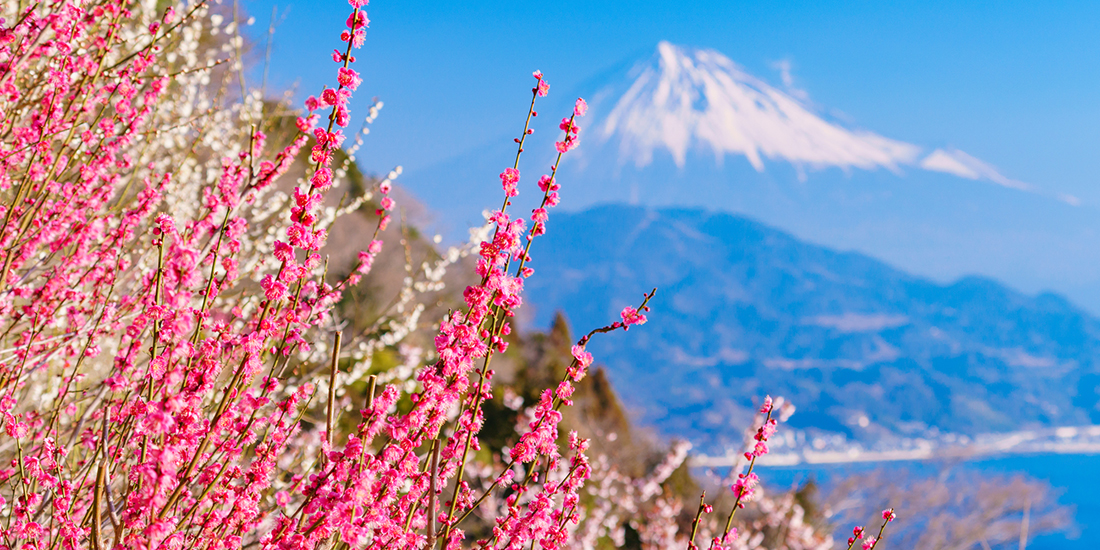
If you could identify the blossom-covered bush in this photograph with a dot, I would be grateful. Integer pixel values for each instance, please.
(175, 367)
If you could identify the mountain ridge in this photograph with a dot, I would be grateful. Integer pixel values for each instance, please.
(744, 309)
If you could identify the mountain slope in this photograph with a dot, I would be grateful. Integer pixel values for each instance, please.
(862, 349)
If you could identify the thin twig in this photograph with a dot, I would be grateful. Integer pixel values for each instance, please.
(432, 481)
(335, 366)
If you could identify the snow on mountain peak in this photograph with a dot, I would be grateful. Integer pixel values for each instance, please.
(953, 161)
(684, 98)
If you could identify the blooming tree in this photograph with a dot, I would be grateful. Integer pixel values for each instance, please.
(173, 371)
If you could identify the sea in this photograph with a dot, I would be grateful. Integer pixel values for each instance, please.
(1075, 476)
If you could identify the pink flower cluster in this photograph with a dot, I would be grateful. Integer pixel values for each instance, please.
(541, 87)
(169, 337)
(857, 534)
(745, 485)
(777, 518)
(869, 543)
(169, 340)
(509, 178)
(631, 316)
(569, 126)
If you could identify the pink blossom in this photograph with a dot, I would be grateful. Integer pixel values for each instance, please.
(767, 407)
(542, 87)
(745, 486)
(583, 357)
(14, 428)
(581, 108)
(509, 178)
(546, 184)
(348, 78)
(760, 449)
(283, 251)
(273, 288)
(165, 224)
(358, 20)
(631, 316)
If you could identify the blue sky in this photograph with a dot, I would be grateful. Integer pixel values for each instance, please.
(1013, 83)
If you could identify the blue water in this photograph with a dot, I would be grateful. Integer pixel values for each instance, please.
(1076, 477)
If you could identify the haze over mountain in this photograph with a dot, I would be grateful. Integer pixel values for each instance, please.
(861, 348)
(688, 127)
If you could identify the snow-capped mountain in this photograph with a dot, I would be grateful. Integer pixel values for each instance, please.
(684, 98)
(688, 127)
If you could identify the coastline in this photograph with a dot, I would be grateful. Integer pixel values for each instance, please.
(1083, 440)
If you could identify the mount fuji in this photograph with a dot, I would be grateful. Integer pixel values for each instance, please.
(686, 98)
(688, 127)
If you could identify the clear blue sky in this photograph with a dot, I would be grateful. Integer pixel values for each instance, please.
(1016, 84)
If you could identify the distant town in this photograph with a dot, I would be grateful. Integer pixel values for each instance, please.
(799, 448)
